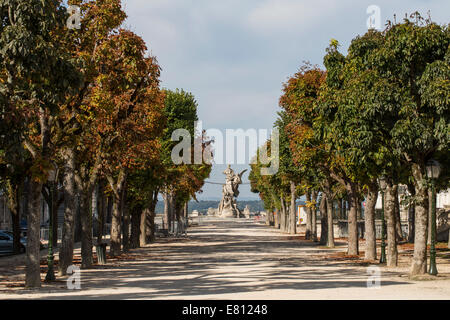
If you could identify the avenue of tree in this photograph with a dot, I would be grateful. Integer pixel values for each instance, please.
(83, 122)
(380, 111)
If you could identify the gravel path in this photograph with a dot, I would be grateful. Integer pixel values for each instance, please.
(234, 259)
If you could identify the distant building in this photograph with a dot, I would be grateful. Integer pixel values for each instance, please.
(442, 198)
(194, 213)
(301, 214)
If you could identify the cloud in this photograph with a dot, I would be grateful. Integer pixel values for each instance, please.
(285, 15)
(233, 55)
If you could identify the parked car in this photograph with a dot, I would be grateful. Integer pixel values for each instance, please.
(7, 240)
(7, 243)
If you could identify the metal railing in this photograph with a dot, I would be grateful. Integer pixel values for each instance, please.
(176, 229)
(43, 233)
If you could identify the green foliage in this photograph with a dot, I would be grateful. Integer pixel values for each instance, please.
(181, 113)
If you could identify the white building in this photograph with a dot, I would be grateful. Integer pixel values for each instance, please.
(442, 199)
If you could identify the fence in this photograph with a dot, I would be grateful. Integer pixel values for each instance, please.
(45, 231)
(341, 228)
(176, 229)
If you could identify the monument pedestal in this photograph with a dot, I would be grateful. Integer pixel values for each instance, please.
(229, 213)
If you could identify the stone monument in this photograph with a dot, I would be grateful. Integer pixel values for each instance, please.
(228, 206)
(247, 212)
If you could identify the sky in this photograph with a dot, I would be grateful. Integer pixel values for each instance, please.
(235, 55)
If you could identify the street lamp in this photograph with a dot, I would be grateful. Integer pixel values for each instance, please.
(383, 186)
(50, 272)
(433, 171)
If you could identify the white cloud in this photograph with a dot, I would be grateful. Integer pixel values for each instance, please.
(233, 55)
(284, 15)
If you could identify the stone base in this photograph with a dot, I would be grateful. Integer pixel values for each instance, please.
(228, 213)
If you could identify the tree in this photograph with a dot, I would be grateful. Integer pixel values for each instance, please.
(181, 114)
(405, 65)
(300, 99)
(78, 145)
(129, 120)
(289, 173)
(14, 171)
(38, 76)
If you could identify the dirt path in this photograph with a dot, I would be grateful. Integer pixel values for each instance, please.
(234, 259)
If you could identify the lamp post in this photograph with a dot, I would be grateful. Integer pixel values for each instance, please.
(50, 258)
(433, 171)
(383, 186)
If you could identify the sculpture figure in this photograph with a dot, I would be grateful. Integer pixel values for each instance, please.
(228, 206)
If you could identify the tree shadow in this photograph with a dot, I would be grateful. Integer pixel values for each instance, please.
(228, 258)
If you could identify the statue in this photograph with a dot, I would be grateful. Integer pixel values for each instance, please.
(247, 212)
(228, 206)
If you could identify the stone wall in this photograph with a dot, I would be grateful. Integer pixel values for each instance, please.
(341, 228)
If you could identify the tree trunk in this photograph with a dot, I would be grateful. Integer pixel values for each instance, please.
(411, 219)
(86, 229)
(346, 208)
(33, 269)
(109, 207)
(314, 217)
(286, 216)
(67, 241)
(14, 207)
(283, 215)
(135, 227)
(116, 227)
(277, 218)
(308, 217)
(151, 237)
(166, 217)
(323, 221)
(419, 263)
(389, 212)
(449, 238)
(398, 219)
(78, 227)
(185, 213)
(95, 205)
(369, 222)
(288, 213)
(330, 234)
(172, 212)
(353, 244)
(328, 196)
(115, 248)
(179, 215)
(126, 222)
(150, 231)
(143, 226)
(411, 214)
(314, 225)
(57, 200)
(86, 184)
(359, 209)
(293, 220)
(102, 208)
